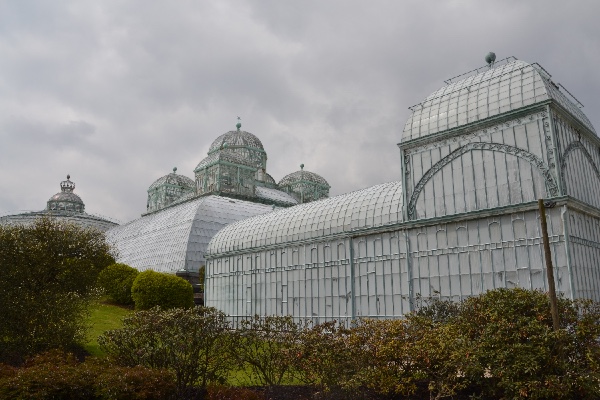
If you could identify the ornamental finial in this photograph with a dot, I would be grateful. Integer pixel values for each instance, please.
(302, 166)
(239, 124)
(174, 170)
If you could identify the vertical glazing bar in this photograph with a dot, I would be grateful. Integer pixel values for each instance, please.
(565, 220)
(409, 272)
(557, 152)
(352, 277)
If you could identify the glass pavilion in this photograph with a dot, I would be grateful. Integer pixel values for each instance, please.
(462, 219)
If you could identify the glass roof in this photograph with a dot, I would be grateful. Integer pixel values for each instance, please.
(303, 175)
(175, 238)
(236, 138)
(371, 207)
(173, 179)
(498, 90)
(227, 155)
(275, 195)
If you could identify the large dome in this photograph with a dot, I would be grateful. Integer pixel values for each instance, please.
(66, 200)
(236, 139)
(173, 179)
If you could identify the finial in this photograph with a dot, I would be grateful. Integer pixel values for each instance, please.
(302, 166)
(490, 58)
(68, 176)
(174, 170)
(239, 124)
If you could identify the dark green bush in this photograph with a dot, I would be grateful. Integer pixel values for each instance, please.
(56, 375)
(116, 280)
(48, 275)
(151, 289)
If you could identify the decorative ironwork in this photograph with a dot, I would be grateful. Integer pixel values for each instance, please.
(577, 145)
(534, 160)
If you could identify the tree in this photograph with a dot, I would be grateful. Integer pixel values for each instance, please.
(48, 272)
(151, 289)
(193, 343)
(116, 280)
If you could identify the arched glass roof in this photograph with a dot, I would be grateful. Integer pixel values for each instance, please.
(508, 87)
(176, 238)
(368, 208)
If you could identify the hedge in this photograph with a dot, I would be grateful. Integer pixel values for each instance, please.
(151, 289)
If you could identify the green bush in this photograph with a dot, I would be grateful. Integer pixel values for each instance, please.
(151, 289)
(267, 347)
(193, 343)
(116, 280)
(48, 275)
(56, 375)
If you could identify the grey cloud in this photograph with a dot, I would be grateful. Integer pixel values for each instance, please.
(119, 92)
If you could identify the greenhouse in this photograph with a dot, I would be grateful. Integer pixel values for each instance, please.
(463, 217)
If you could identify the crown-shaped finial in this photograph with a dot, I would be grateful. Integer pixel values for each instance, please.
(68, 185)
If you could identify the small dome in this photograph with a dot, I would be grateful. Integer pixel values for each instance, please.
(66, 200)
(303, 175)
(173, 179)
(269, 179)
(236, 139)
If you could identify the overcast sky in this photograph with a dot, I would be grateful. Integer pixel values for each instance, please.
(117, 93)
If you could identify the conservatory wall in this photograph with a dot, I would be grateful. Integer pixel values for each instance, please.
(584, 247)
(381, 274)
(510, 162)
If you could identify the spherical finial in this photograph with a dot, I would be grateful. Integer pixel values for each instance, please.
(239, 124)
(490, 58)
(68, 176)
(174, 170)
(301, 166)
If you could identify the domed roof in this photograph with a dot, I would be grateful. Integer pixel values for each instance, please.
(173, 179)
(303, 175)
(66, 200)
(269, 179)
(236, 139)
(226, 154)
(511, 86)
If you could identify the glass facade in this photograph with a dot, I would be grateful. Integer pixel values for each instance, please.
(475, 157)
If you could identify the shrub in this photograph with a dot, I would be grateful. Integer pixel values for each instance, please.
(323, 356)
(267, 347)
(57, 375)
(48, 275)
(193, 343)
(151, 289)
(116, 281)
(508, 348)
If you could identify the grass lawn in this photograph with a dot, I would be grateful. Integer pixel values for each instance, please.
(103, 317)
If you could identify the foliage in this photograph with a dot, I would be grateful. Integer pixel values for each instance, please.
(266, 346)
(49, 270)
(323, 356)
(116, 281)
(56, 375)
(508, 348)
(192, 343)
(151, 289)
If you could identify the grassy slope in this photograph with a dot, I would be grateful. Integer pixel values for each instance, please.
(103, 317)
